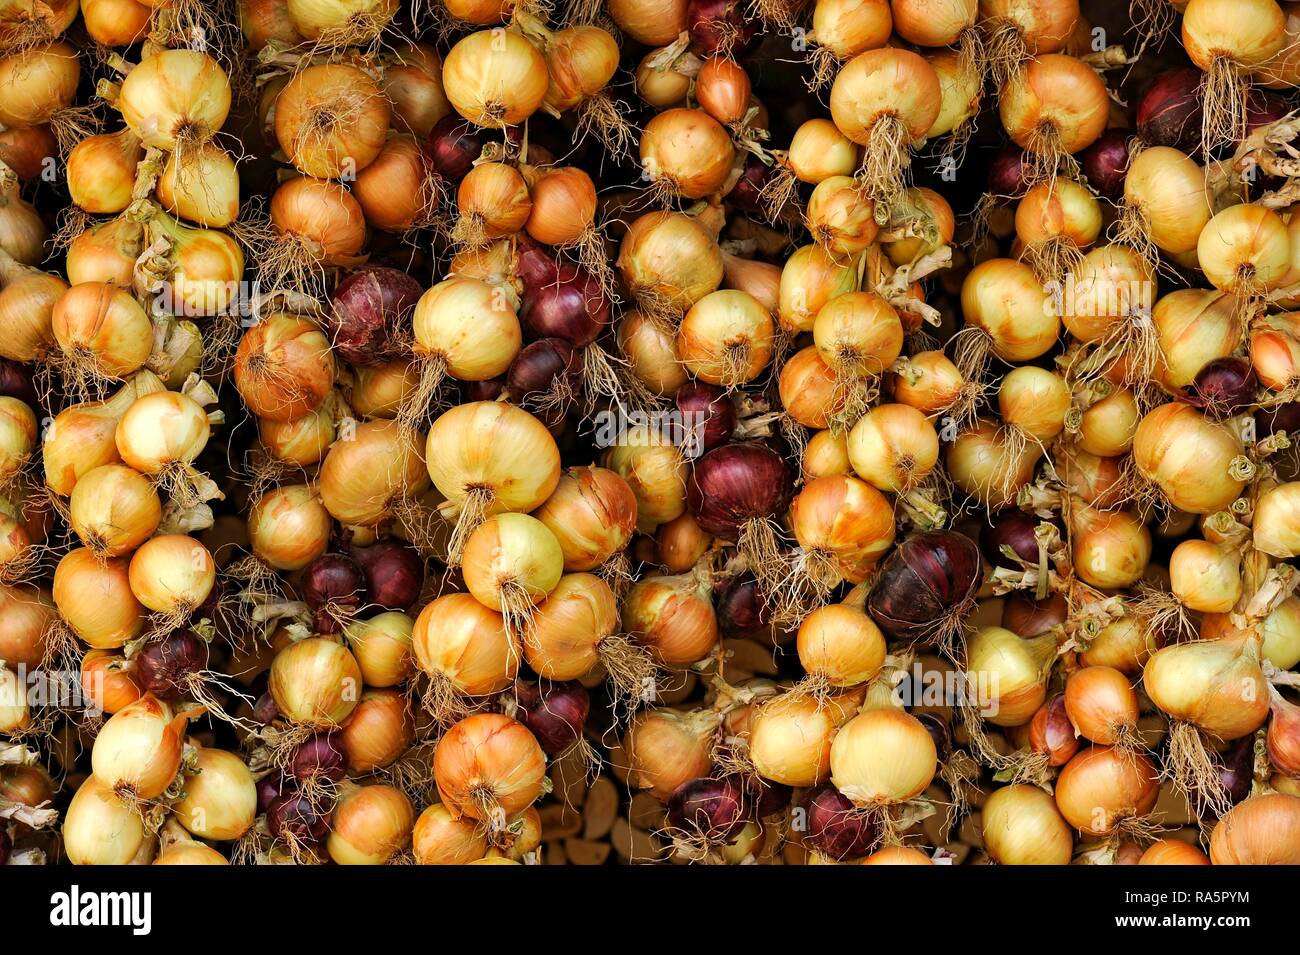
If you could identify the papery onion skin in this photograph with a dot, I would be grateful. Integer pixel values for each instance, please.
(926, 578)
(1259, 831)
(1022, 826)
(735, 484)
(371, 308)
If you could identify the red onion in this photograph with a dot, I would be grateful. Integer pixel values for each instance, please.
(16, 382)
(164, 668)
(265, 711)
(1169, 112)
(765, 797)
(1264, 107)
(487, 390)
(333, 586)
(270, 788)
(371, 314)
(569, 304)
(1105, 163)
(927, 583)
(1224, 387)
(1007, 173)
(1236, 773)
(741, 609)
(1024, 615)
(835, 827)
(712, 808)
(1013, 528)
(939, 731)
(714, 408)
(721, 26)
(1269, 421)
(735, 484)
(394, 573)
(452, 147)
(298, 817)
(745, 194)
(554, 712)
(535, 377)
(318, 757)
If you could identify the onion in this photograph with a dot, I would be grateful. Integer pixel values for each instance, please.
(1224, 387)
(673, 617)
(333, 587)
(371, 308)
(284, 367)
(928, 581)
(742, 609)
(1283, 737)
(94, 596)
(315, 682)
(331, 120)
(1189, 457)
(592, 513)
(495, 78)
(545, 377)
(440, 838)
(138, 751)
(299, 819)
(1052, 734)
(365, 480)
(1107, 428)
(1258, 831)
(656, 471)
(723, 89)
(1194, 327)
(555, 713)
(807, 388)
(492, 203)
(1125, 644)
(452, 147)
(1169, 112)
(465, 648)
(563, 208)
(669, 261)
(1245, 249)
(1173, 852)
(1109, 548)
(38, 82)
(175, 98)
(167, 667)
(1205, 577)
(1022, 826)
(319, 222)
(1004, 299)
(106, 252)
(1056, 104)
(465, 328)
(99, 828)
(1101, 704)
(103, 331)
(686, 152)
(370, 825)
(1024, 615)
(394, 574)
(790, 739)
(201, 185)
(289, 527)
(220, 803)
(893, 447)
(28, 614)
(882, 757)
(652, 23)
(737, 484)
(572, 629)
(412, 82)
(172, 574)
(1275, 530)
(1167, 191)
(833, 828)
(651, 353)
(844, 524)
(840, 218)
(1103, 786)
(666, 748)
(1215, 684)
(818, 150)
(510, 563)
(382, 647)
(681, 543)
(1105, 163)
(489, 767)
(101, 171)
(1009, 673)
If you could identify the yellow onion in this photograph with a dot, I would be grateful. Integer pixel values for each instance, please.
(1215, 684)
(378, 732)
(510, 563)
(811, 278)
(395, 191)
(673, 616)
(681, 543)
(1004, 298)
(1173, 852)
(27, 300)
(592, 514)
(15, 713)
(94, 596)
(1275, 350)
(665, 748)
(441, 838)
(927, 381)
(1044, 26)
(1009, 673)
(825, 455)
(726, 338)
(651, 353)
(489, 768)
(1035, 401)
(687, 151)
(882, 757)
(461, 643)
(1021, 825)
(99, 828)
(669, 260)
(289, 527)
(379, 391)
(1205, 577)
(1258, 831)
(1276, 525)
(114, 509)
(284, 367)
(188, 853)
(364, 479)
(1062, 209)
(382, 647)
(1102, 786)
(987, 465)
(302, 441)
(659, 85)
(1193, 328)
(844, 522)
(412, 82)
(82, 437)
(1189, 457)
(17, 436)
(201, 185)
(563, 206)
(807, 388)
(138, 751)
(106, 252)
(220, 801)
(370, 825)
(37, 83)
(1109, 548)
(962, 90)
(1107, 427)
(723, 89)
(172, 573)
(760, 279)
(887, 84)
(322, 218)
(656, 471)
(495, 78)
(101, 171)
(840, 217)
(264, 20)
(818, 150)
(28, 614)
(1245, 249)
(654, 24)
(858, 334)
(175, 98)
(570, 632)
(116, 23)
(935, 223)
(1101, 703)
(107, 682)
(102, 331)
(467, 328)
(1056, 103)
(893, 447)
(493, 202)
(1167, 189)
(1110, 287)
(315, 682)
(331, 120)
(1124, 644)
(161, 430)
(790, 739)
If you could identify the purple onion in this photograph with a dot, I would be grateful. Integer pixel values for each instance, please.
(765, 798)
(1015, 529)
(298, 816)
(722, 27)
(836, 828)
(735, 484)
(927, 580)
(939, 731)
(487, 390)
(569, 305)
(712, 808)
(1007, 176)
(1224, 387)
(546, 368)
(1269, 421)
(1105, 163)
(1264, 107)
(394, 573)
(165, 667)
(741, 609)
(1024, 615)
(332, 585)
(370, 314)
(452, 147)
(16, 382)
(265, 710)
(700, 401)
(1169, 112)
(746, 193)
(554, 712)
(320, 756)
(270, 788)
(1236, 766)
